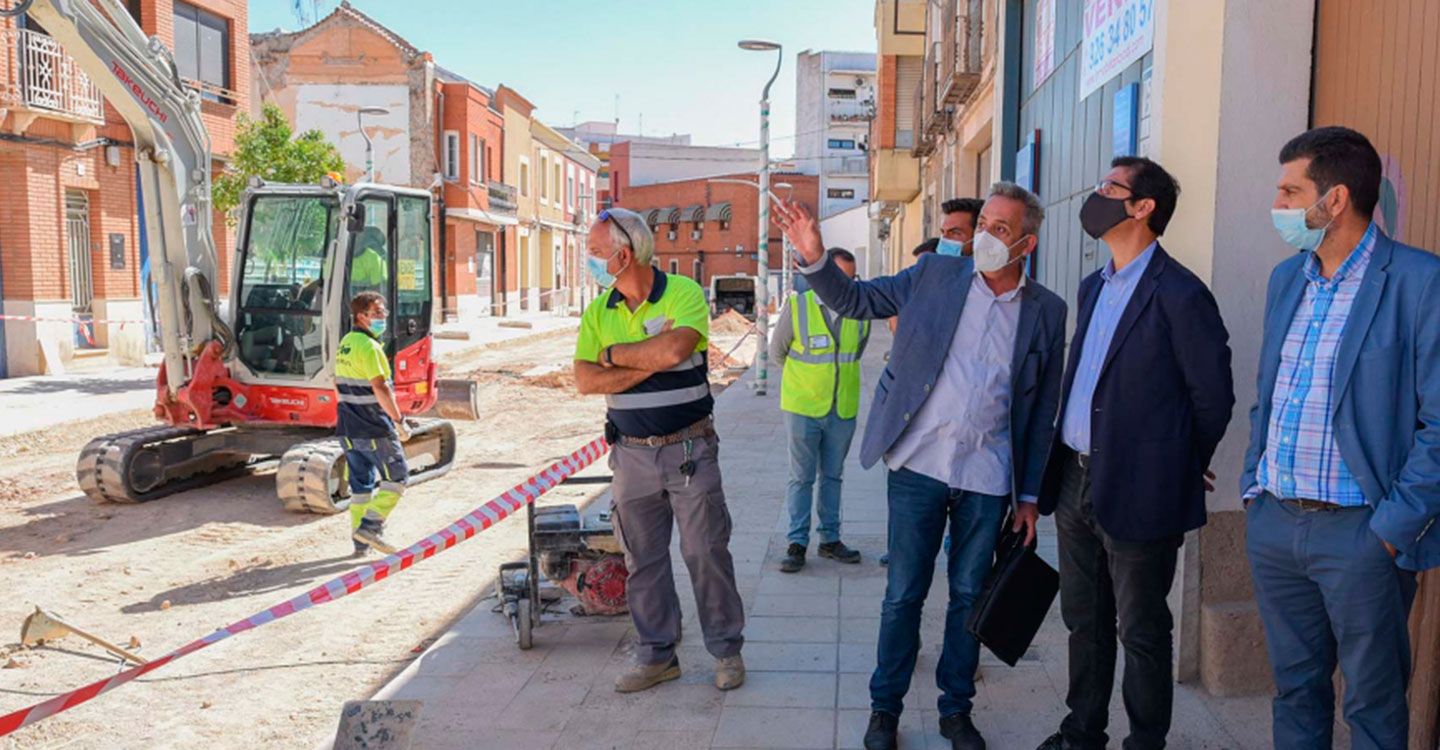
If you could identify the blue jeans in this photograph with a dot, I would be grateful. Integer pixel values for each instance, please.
(816, 443)
(919, 509)
(1329, 593)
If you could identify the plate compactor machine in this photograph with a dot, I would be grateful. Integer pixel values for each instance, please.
(255, 383)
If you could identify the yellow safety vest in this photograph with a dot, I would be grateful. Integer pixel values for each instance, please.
(820, 372)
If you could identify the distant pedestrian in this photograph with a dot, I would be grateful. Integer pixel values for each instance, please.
(820, 395)
(643, 343)
(369, 424)
(963, 419)
(1147, 396)
(1342, 478)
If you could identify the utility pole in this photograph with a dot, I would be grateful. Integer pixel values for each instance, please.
(762, 316)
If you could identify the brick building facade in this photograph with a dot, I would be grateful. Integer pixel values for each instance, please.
(70, 236)
(705, 228)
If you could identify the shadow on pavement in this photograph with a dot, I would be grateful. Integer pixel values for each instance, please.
(77, 526)
(86, 386)
(251, 580)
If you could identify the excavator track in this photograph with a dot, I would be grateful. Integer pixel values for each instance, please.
(313, 478)
(147, 464)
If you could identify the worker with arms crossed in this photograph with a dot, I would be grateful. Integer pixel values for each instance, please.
(642, 343)
(369, 424)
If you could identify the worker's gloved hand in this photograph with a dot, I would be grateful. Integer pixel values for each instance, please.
(402, 431)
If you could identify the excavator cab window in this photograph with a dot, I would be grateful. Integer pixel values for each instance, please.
(281, 288)
(413, 301)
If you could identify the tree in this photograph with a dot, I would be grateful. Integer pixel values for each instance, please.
(267, 148)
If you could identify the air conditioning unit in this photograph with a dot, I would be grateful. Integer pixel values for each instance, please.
(670, 235)
(694, 234)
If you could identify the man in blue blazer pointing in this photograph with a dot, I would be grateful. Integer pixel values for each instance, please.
(963, 416)
(1342, 478)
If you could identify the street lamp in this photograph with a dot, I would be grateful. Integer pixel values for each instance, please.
(369, 145)
(762, 318)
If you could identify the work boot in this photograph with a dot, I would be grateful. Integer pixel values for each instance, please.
(361, 549)
(729, 672)
(1057, 742)
(885, 560)
(794, 559)
(881, 735)
(838, 552)
(961, 731)
(371, 533)
(645, 676)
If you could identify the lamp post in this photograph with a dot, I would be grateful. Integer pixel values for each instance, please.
(369, 145)
(762, 317)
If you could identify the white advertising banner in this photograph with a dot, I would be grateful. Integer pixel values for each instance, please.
(1117, 33)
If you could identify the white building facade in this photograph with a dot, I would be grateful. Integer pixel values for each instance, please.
(834, 103)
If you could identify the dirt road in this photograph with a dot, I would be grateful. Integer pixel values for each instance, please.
(175, 569)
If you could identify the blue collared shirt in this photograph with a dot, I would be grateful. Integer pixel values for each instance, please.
(961, 434)
(1116, 289)
(1302, 459)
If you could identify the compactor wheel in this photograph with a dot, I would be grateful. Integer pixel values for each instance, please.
(313, 478)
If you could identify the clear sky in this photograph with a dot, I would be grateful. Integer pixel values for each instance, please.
(673, 63)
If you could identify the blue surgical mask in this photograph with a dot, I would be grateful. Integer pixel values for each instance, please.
(377, 326)
(950, 247)
(600, 271)
(1290, 223)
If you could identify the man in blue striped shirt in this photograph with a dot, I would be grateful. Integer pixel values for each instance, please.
(1340, 481)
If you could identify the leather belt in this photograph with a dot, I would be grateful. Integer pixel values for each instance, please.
(1318, 506)
(703, 428)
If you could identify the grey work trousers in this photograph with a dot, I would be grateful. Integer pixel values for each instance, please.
(651, 496)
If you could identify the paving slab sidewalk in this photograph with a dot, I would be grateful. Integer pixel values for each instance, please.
(810, 647)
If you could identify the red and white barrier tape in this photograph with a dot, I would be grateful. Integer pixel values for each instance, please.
(476, 521)
(86, 326)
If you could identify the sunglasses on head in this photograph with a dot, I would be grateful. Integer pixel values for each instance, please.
(612, 218)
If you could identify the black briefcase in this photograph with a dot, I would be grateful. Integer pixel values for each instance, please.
(1017, 595)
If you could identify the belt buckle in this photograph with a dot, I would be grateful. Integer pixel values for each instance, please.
(1083, 461)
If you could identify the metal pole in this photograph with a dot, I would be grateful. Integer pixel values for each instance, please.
(762, 316)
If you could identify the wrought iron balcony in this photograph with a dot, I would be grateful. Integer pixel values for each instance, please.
(962, 56)
(37, 75)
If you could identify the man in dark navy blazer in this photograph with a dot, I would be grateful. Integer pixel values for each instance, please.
(1147, 397)
(964, 415)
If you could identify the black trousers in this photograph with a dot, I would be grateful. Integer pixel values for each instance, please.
(1105, 583)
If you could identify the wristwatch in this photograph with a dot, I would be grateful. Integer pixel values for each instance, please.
(609, 360)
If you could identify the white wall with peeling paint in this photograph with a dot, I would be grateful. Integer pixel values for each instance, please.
(332, 108)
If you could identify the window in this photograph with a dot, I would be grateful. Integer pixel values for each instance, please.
(412, 262)
(675, 267)
(845, 143)
(570, 187)
(202, 50)
(840, 193)
(279, 329)
(698, 270)
(559, 185)
(524, 177)
(842, 93)
(452, 155)
(544, 176)
(475, 174)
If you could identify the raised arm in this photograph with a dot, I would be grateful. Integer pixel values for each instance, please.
(858, 300)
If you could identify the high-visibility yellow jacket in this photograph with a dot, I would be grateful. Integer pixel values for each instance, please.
(822, 370)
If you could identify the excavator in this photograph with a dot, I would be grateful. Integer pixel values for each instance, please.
(253, 384)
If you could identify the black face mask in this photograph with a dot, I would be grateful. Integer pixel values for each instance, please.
(1101, 214)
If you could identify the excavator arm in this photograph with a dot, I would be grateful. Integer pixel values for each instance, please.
(138, 77)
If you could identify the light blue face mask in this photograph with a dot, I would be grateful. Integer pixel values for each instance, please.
(599, 272)
(377, 327)
(1290, 223)
(950, 247)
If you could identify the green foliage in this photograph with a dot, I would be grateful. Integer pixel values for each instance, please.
(267, 148)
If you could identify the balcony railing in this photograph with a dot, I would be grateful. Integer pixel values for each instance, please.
(211, 92)
(853, 112)
(38, 75)
(962, 58)
(503, 198)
